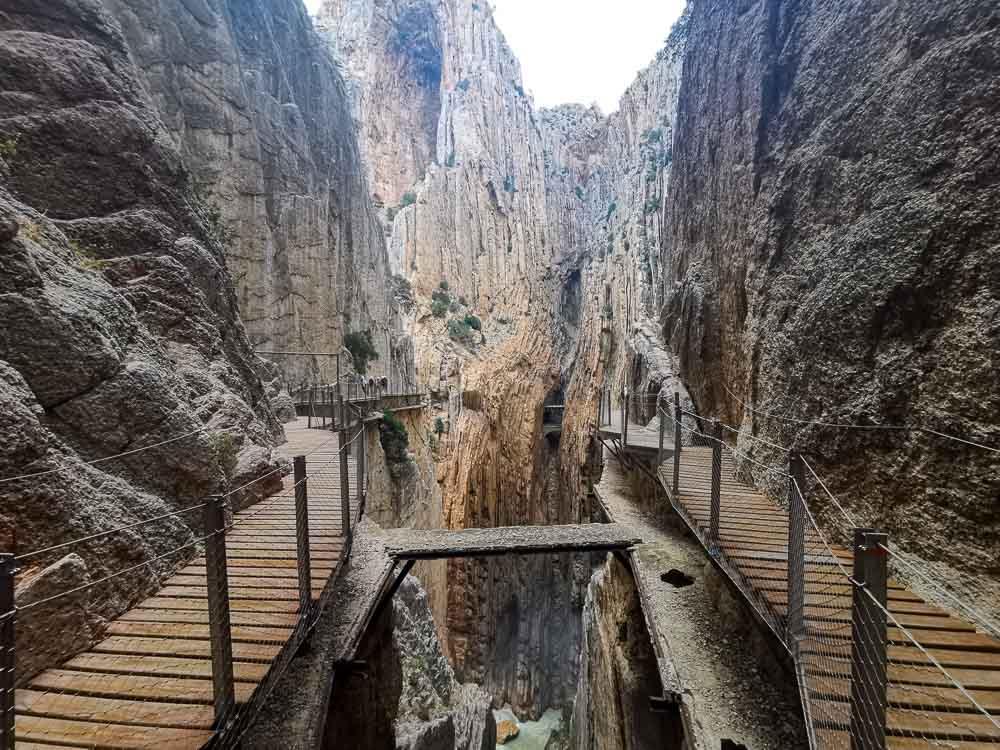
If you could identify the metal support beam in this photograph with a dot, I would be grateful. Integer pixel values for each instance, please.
(713, 531)
(8, 616)
(393, 588)
(310, 424)
(362, 458)
(868, 641)
(302, 534)
(345, 488)
(220, 630)
(794, 627)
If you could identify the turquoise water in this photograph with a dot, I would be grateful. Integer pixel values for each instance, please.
(533, 734)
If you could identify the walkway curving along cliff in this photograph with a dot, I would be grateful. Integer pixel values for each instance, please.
(877, 665)
(193, 663)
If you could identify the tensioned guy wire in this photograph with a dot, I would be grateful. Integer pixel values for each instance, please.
(846, 426)
(102, 460)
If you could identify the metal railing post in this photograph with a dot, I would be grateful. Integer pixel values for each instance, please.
(624, 417)
(302, 534)
(8, 616)
(794, 626)
(310, 407)
(343, 412)
(713, 529)
(345, 487)
(322, 396)
(868, 641)
(220, 629)
(361, 464)
(677, 441)
(663, 427)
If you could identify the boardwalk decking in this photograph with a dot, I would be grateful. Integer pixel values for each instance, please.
(926, 710)
(148, 683)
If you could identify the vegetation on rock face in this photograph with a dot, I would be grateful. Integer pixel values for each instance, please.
(441, 301)
(473, 322)
(8, 147)
(509, 184)
(362, 349)
(408, 199)
(393, 437)
(579, 192)
(225, 452)
(438, 425)
(459, 330)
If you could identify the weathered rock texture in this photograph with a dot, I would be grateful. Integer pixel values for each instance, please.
(260, 113)
(486, 236)
(832, 252)
(618, 672)
(120, 329)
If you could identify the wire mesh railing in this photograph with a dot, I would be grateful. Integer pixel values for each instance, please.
(209, 627)
(878, 667)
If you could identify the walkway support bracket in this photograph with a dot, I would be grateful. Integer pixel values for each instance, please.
(302, 534)
(663, 427)
(8, 616)
(868, 641)
(795, 624)
(220, 629)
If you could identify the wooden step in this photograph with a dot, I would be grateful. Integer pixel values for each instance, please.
(107, 735)
(115, 710)
(169, 689)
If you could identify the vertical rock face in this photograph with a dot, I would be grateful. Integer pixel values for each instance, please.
(482, 240)
(832, 250)
(261, 115)
(121, 328)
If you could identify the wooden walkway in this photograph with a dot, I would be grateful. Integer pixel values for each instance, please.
(926, 710)
(149, 682)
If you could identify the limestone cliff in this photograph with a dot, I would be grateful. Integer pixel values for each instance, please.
(832, 254)
(456, 150)
(121, 329)
(259, 111)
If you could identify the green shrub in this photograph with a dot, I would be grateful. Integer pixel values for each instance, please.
(393, 437)
(611, 209)
(451, 159)
(606, 312)
(463, 84)
(459, 330)
(473, 322)
(509, 184)
(438, 425)
(444, 284)
(462, 301)
(8, 147)
(579, 192)
(408, 199)
(439, 308)
(362, 349)
(652, 205)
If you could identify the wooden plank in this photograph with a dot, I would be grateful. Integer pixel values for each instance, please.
(931, 698)
(115, 710)
(828, 738)
(169, 689)
(107, 735)
(252, 652)
(971, 679)
(241, 633)
(235, 605)
(161, 666)
(973, 727)
(259, 619)
(909, 654)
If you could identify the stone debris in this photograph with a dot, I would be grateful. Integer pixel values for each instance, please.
(506, 731)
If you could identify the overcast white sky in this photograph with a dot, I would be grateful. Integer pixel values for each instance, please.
(582, 50)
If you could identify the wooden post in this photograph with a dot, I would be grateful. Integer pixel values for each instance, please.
(8, 616)
(220, 630)
(868, 641)
(796, 550)
(302, 534)
(345, 487)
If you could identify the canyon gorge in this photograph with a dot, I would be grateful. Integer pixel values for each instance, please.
(789, 222)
